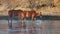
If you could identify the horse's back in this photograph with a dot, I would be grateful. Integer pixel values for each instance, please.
(14, 12)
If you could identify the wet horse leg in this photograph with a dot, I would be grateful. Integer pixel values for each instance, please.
(8, 21)
(19, 20)
(27, 28)
(10, 24)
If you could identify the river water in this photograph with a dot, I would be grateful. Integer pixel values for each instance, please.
(41, 27)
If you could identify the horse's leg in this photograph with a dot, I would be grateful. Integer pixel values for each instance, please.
(10, 24)
(23, 18)
(21, 24)
(11, 21)
(19, 20)
(27, 28)
(33, 18)
(8, 21)
(24, 26)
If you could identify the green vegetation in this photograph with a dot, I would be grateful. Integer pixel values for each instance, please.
(40, 8)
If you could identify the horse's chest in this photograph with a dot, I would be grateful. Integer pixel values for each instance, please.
(28, 14)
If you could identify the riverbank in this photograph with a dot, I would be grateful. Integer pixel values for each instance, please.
(37, 18)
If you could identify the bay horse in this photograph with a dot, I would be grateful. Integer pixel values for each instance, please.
(31, 14)
(25, 14)
(12, 13)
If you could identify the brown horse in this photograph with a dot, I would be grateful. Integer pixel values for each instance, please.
(25, 14)
(31, 14)
(11, 14)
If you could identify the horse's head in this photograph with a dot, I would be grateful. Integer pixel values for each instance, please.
(38, 13)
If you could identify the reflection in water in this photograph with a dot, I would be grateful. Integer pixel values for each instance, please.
(32, 27)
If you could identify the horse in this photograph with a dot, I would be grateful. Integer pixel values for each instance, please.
(31, 14)
(27, 14)
(12, 13)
